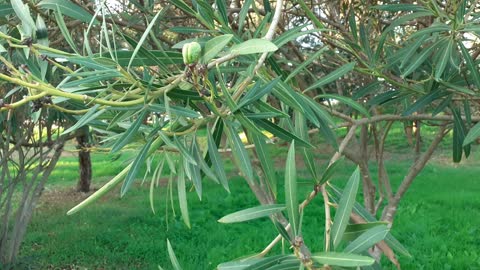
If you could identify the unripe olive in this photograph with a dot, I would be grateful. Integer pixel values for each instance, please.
(191, 53)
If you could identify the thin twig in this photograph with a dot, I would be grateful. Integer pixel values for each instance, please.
(328, 217)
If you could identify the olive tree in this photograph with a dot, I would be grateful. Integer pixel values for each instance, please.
(180, 82)
(30, 146)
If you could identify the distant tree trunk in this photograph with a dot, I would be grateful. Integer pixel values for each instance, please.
(84, 162)
(27, 160)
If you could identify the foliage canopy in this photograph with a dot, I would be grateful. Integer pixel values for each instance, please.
(251, 73)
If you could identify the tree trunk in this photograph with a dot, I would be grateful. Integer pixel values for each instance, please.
(84, 162)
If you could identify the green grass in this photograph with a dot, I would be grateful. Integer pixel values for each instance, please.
(437, 221)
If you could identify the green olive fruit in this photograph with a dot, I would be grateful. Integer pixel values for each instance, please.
(191, 53)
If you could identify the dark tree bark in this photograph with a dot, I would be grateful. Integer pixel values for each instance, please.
(84, 162)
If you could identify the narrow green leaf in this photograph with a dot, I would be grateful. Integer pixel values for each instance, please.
(144, 57)
(173, 258)
(85, 119)
(332, 76)
(243, 14)
(222, 9)
(385, 97)
(288, 265)
(444, 104)
(206, 14)
(472, 134)
(254, 263)
(367, 239)
(353, 231)
(263, 115)
(364, 40)
(345, 207)
(293, 34)
(89, 62)
(240, 153)
(189, 30)
(276, 67)
(305, 63)
(255, 93)
(266, 161)
(184, 94)
(129, 133)
(268, 7)
(424, 101)
(266, 263)
(302, 130)
(183, 150)
(396, 245)
(182, 194)
(248, 124)
(176, 110)
(156, 175)
(418, 60)
(262, 26)
(405, 19)
(166, 61)
(348, 101)
(352, 23)
(112, 183)
(184, 7)
(252, 213)
(442, 62)
(264, 107)
(200, 160)
(400, 7)
(200, 40)
(436, 27)
(65, 32)
(6, 9)
(23, 13)
(137, 163)
(68, 8)
(458, 137)
(322, 115)
(287, 95)
(280, 132)
(468, 112)
(281, 230)
(237, 265)
(145, 35)
(102, 191)
(195, 174)
(214, 46)
(406, 56)
(472, 67)
(342, 259)
(254, 46)
(228, 97)
(217, 161)
(218, 132)
(363, 213)
(291, 188)
(90, 80)
(458, 88)
(327, 174)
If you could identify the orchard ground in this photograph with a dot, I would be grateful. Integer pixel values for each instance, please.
(437, 221)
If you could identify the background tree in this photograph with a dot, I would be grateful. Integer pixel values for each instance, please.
(82, 137)
(264, 68)
(30, 146)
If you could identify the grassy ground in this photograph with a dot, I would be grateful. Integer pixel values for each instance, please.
(437, 221)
